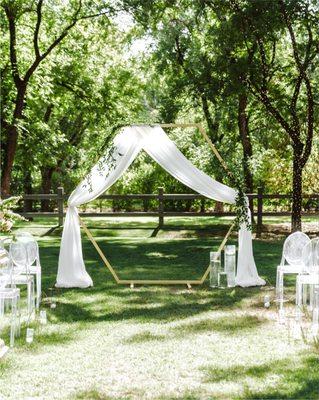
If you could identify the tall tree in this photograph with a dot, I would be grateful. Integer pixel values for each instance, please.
(269, 56)
(281, 38)
(186, 55)
(23, 70)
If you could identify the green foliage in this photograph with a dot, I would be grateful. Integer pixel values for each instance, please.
(242, 216)
(194, 61)
(85, 86)
(7, 216)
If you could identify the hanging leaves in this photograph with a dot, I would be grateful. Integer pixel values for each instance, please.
(106, 164)
(242, 213)
(7, 216)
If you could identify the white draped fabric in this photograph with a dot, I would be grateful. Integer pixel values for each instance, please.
(126, 146)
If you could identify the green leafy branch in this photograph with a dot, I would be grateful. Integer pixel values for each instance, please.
(242, 211)
(7, 216)
(106, 164)
(242, 215)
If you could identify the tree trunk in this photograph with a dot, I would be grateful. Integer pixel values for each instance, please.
(8, 158)
(245, 140)
(212, 124)
(46, 174)
(297, 191)
(12, 140)
(213, 127)
(202, 206)
(27, 187)
(219, 206)
(247, 146)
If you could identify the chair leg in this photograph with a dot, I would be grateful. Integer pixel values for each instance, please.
(304, 294)
(315, 321)
(277, 284)
(281, 288)
(282, 314)
(315, 311)
(298, 299)
(19, 315)
(2, 307)
(311, 297)
(38, 279)
(30, 288)
(6, 305)
(29, 297)
(33, 296)
(13, 321)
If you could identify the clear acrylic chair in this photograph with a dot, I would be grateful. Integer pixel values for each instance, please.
(20, 272)
(315, 312)
(35, 266)
(9, 294)
(308, 278)
(291, 262)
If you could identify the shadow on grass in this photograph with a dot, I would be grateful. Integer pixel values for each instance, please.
(97, 395)
(267, 255)
(153, 259)
(43, 337)
(92, 395)
(168, 307)
(185, 396)
(155, 231)
(214, 375)
(224, 324)
(118, 303)
(143, 337)
(297, 381)
(51, 230)
(53, 338)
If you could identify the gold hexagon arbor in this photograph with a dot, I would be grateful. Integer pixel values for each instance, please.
(187, 282)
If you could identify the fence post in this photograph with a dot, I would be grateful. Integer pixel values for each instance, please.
(60, 195)
(160, 207)
(259, 211)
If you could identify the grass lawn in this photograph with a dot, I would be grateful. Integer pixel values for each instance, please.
(113, 342)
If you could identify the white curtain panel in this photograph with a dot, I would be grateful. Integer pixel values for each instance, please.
(71, 270)
(127, 145)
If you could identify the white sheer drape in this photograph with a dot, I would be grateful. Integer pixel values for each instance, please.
(71, 270)
(127, 144)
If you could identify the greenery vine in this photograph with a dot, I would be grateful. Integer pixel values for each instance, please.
(105, 165)
(242, 213)
(241, 200)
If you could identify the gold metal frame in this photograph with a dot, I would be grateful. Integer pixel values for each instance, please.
(187, 282)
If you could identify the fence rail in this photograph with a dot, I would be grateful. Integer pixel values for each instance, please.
(258, 212)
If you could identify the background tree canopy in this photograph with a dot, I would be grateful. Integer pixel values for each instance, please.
(246, 69)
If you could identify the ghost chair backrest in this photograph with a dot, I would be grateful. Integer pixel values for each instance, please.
(23, 236)
(32, 252)
(293, 247)
(18, 256)
(5, 274)
(310, 256)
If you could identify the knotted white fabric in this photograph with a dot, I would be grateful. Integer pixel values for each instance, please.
(126, 146)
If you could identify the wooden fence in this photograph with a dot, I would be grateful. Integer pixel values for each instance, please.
(257, 209)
